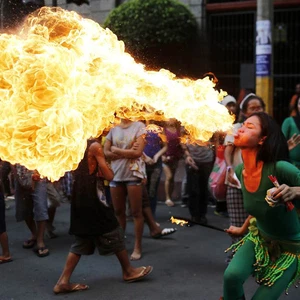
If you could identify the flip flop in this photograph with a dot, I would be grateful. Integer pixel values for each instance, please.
(39, 251)
(4, 261)
(164, 232)
(145, 272)
(70, 288)
(29, 243)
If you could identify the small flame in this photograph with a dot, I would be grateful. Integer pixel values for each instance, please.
(154, 128)
(64, 79)
(178, 221)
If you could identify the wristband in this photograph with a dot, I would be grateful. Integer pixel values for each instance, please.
(228, 168)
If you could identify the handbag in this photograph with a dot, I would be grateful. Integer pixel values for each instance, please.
(218, 175)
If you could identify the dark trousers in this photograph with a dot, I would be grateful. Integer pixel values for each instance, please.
(197, 188)
(6, 169)
(153, 179)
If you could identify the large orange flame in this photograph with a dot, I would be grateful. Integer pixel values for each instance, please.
(63, 77)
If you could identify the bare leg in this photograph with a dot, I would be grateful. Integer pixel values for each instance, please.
(153, 227)
(135, 198)
(4, 245)
(118, 196)
(129, 272)
(41, 226)
(32, 227)
(169, 184)
(168, 176)
(49, 227)
(51, 214)
(63, 284)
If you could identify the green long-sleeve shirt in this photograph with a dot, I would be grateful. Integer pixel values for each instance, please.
(289, 128)
(275, 222)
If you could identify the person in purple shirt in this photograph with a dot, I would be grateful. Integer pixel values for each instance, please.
(172, 156)
(154, 149)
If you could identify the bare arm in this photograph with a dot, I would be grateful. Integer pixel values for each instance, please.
(135, 151)
(228, 154)
(239, 231)
(96, 151)
(161, 152)
(107, 151)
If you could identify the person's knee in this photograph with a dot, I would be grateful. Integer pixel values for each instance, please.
(136, 213)
(232, 276)
(119, 212)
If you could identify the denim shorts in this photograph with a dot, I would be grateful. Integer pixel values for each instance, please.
(107, 243)
(126, 183)
(31, 203)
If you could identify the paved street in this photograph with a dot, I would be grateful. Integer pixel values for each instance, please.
(187, 265)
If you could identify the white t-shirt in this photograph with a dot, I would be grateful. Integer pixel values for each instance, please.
(124, 138)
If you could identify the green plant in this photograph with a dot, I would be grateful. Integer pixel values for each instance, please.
(144, 24)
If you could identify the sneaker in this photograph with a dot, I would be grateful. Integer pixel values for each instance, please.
(223, 214)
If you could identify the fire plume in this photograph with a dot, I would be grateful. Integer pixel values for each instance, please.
(178, 221)
(63, 78)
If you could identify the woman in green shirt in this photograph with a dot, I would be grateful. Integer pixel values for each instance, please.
(271, 249)
(291, 130)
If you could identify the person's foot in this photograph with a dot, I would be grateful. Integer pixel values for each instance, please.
(5, 259)
(136, 255)
(169, 203)
(41, 251)
(137, 274)
(29, 243)
(69, 288)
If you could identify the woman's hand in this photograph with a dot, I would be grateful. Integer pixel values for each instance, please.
(293, 141)
(236, 231)
(230, 177)
(148, 160)
(286, 193)
(114, 149)
(189, 161)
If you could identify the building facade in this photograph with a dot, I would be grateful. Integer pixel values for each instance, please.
(229, 34)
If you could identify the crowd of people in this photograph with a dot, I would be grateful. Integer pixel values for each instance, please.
(121, 171)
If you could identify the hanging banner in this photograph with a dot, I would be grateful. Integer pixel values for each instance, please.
(263, 48)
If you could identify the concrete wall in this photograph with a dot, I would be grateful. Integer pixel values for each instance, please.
(99, 9)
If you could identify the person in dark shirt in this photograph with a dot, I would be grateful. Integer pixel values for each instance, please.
(5, 257)
(93, 222)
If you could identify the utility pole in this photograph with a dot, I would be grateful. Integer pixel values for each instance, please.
(264, 52)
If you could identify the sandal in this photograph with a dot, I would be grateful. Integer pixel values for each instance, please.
(69, 288)
(41, 251)
(29, 243)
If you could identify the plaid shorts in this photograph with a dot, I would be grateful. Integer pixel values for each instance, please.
(235, 207)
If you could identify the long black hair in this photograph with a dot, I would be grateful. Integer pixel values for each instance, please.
(297, 117)
(274, 147)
